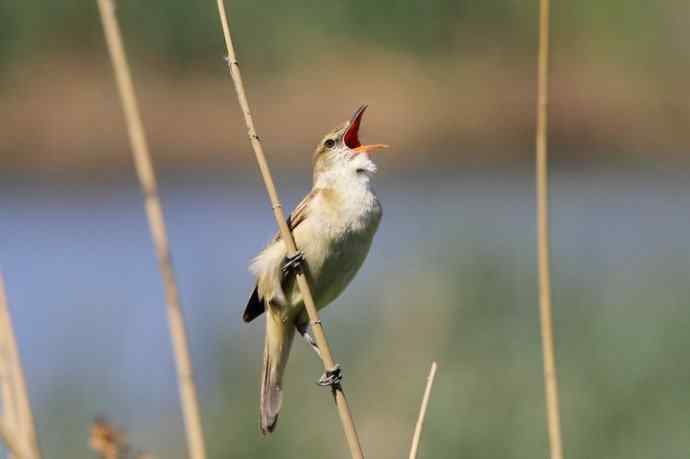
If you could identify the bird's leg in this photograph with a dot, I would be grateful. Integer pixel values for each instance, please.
(293, 263)
(304, 331)
(331, 377)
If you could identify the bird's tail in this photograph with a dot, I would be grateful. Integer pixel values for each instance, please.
(279, 337)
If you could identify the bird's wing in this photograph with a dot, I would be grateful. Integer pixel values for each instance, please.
(255, 306)
(299, 214)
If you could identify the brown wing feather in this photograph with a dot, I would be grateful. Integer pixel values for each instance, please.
(300, 213)
(255, 305)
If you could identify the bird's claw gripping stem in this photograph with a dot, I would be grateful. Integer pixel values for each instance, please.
(293, 263)
(331, 377)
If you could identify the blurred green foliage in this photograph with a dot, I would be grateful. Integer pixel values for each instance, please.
(274, 34)
(623, 388)
(621, 357)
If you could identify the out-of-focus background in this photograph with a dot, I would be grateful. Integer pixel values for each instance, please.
(451, 276)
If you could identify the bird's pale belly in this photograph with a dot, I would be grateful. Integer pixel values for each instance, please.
(340, 267)
(333, 266)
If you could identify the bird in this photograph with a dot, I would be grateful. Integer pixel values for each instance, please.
(333, 227)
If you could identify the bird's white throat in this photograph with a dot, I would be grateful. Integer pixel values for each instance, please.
(346, 172)
(358, 208)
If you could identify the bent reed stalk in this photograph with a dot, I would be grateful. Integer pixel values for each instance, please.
(303, 284)
(154, 212)
(9, 405)
(422, 412)
(545, 306)
(9, 439)
(18, 426)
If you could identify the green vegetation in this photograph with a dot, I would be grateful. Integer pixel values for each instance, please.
(621, 339)
(623, 390)
(274, 34)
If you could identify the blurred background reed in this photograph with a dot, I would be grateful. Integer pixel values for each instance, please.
(452, 274)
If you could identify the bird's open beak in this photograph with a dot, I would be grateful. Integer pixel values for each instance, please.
(351, 136)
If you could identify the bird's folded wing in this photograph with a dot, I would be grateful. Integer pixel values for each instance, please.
(299, 214)
(255, 306)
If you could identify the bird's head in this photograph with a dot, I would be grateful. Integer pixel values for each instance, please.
(341, 151)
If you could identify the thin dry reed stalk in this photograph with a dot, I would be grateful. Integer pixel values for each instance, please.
(317, 327)
(17, 392)
(154, 212)
(545, 307)
(422, 412)
(9, 438)
(9, 407)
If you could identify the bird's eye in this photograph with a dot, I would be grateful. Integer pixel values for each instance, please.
(330, 143)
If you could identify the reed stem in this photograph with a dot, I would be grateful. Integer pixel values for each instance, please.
(154, 212)
(15, 391)
(545, 306)
(9, 438)
(303, 284)
(422, 412)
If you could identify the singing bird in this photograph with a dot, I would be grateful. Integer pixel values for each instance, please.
(333, 227)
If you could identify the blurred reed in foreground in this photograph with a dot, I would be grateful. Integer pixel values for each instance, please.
(17, 417)
(147, 180)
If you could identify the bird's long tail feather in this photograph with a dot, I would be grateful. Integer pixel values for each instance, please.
(279, 337)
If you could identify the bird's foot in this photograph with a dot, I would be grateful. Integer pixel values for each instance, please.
(293, 263)
(331, 377)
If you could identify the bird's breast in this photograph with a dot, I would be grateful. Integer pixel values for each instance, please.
(346, 236)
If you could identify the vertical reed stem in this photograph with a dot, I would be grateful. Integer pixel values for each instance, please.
(9, 406)
(154, 212)
(9, 438)
(17, 393)
(317, 327)
(545, 307)
(422, 412)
